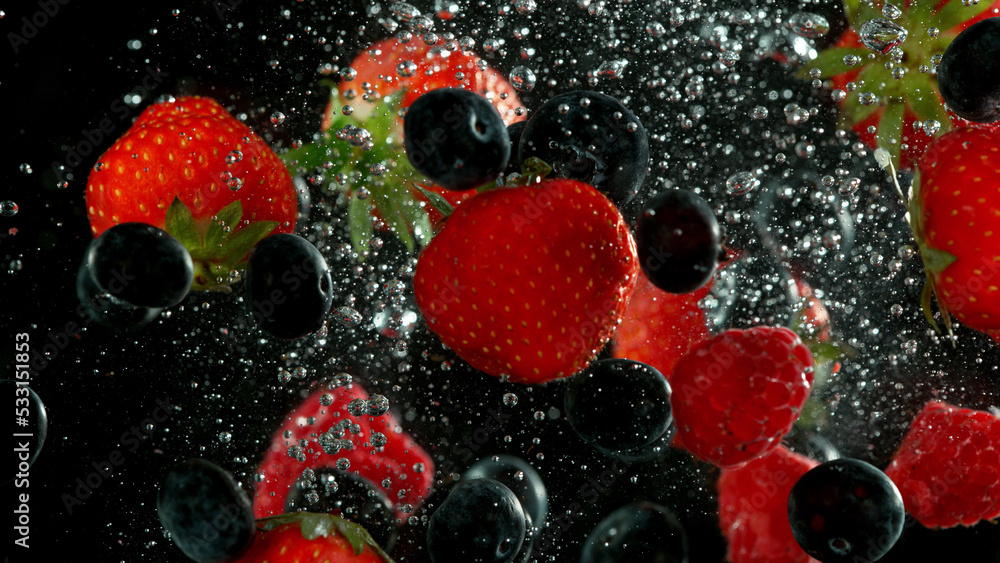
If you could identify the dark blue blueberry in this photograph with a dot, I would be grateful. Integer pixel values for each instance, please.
(679, 241)
(207, 514)
(141, 265)
(481, 521)
(590, 137)
(104, 308)
(521, 478)
(329, 490)
(456, 138)
(514, 131)
(619, 405)
(641, 531)
(969, 74)
(289, 286)
(845, 510)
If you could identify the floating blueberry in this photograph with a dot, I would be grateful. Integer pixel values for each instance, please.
(514, 131)
(289, 286)
(641, 531)
(845, 510)
(591, 137)
(207, 514)
(97, 305)
(679, 241)
(331, 491)
(969, 74)
(619, 405)
(521, 478)
(456, 138)
(481, 521)
(141, 265)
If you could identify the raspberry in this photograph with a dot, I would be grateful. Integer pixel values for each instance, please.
(737, 393)
(753, 508)
(948, 466)
(659, 327)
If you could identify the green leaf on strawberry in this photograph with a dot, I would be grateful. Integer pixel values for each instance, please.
(902, 99)
(218, 248)
(317, 525)
(369, 155)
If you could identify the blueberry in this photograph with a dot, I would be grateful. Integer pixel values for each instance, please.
(481, 521)
(104, 308)
(969, 74)
(679, 241)
(590, 137)
(289, 286)
(456, 138)
(521, 478)
(207, 514)
(845, 510)
(328, 490)
(141, 265)
(514, 131)
(641, 531)
(619, 405)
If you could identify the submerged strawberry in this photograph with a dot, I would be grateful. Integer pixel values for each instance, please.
(360, 151)
(883, 68)
(189, 167)
(529, 282)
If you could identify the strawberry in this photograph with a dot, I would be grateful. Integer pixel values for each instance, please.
(955, 216)
(660, 327)
(189, 167)
(753, 508)
(312, 538)
(948, 466)
(528, 282)
(906, 109)
(737, 393)
(400, 469)
(380, 83)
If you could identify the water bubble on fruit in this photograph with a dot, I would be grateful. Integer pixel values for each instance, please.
(867, 98)
(612, 69)
(466, 43)
(896, 309)
(326, 399)
(509, 399)
(25, 168)
(343, 464)
(347, 317)
(284, 376)
(525, 7)
(808, 25)
(378, 439)
(377, 405)
(235, 184)
(881, 35)
(234, 156)
(8, 208)
(491, 46)
(277, 118)
(522, 79)
(838, 95)
(357, 407)
(423, 25)
(404, 12)
(796, 114)
(741, 183)
(340, 380)
(891, 11)
(225, 437)
(759, 112)
(655, 29)
(933, 32)
(931, 127)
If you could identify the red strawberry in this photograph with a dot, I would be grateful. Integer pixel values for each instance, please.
(955, 217)
(375, 94)
(904, 102)
(753, 508)
(312, 538)
(737, 393)
(529, 282)
(948, 466)
(401, 469)
(193, 151)
(660, 327)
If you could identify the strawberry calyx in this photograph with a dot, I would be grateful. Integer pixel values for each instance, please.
(314, 525)
(897, 86)
(365, 160)
(935, 260)
(218, 245)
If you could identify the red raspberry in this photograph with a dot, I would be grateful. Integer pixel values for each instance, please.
(737, 393)
(659, 327)
(753, 508)
(948, 466)
(402, 470)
